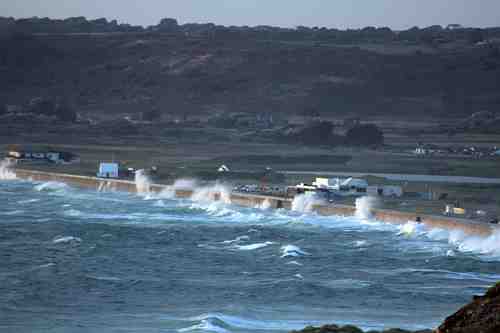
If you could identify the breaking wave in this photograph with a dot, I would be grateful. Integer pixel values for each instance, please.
(216, 192)
(221, 323)
(265, 204)
(236, 244)
(251, 247)
(364, 206)
(66, 240)
(51, 186)
(214, 201)
(142, 182)
(27, 201)
(237, 240)
(6, 172)
(169, 192)
(305, 202)
(292, 251)
(488, 246)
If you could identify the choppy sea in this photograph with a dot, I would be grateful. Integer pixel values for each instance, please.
(74, 260)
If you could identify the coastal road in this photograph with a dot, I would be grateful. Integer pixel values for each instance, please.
(402, 177)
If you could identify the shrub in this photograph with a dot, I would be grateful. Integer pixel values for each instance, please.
(365, 135)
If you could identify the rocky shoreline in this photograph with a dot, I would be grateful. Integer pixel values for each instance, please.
(482, 315)
(352, 329)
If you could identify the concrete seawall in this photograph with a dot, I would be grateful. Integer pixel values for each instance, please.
(255, 200)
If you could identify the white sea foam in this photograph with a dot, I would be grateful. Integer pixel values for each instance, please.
(460, 241)
(159, 203)
(364, 206)
(293, 262)
(142, 182)
(12, 212)
(106, 186)
(360, 243)
(346, 284)
(227, 322)
(73, 213)
(51, 186)
(292, 251)
(6, 172)
(299, 276)
(483, 245)
(411, 228)
(251, 247)
(103, 278)
(205, 325)
(169, 191)
(216, 192)
(28, 201)
(265, 204)
(237, 240)
(66, 239)
(305, 202)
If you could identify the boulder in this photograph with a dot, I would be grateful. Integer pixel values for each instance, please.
(482, 315)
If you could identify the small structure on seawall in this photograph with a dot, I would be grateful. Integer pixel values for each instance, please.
(108, 170)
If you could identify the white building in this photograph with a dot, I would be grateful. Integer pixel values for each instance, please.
(349, 186)
(15, 154)
(108, 170)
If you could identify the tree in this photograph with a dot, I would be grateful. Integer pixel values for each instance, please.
(168, 25)
(365, 135)
(320, 132)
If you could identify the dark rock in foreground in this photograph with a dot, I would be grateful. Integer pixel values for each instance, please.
(350, 329)
(482, 315)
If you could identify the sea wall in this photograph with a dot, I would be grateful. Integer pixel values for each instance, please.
(255, 200)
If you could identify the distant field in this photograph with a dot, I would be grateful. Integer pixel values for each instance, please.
(190, 153)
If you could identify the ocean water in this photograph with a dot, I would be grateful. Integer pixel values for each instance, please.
(74, 260)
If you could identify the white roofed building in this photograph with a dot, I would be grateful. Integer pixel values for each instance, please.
(108, 170)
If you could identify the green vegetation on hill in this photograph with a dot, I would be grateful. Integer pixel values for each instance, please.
(204, 69)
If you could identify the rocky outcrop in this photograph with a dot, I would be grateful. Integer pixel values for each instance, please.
(482, 315)
(350, 329)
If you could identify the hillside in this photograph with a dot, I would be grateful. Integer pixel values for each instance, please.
(184, 71)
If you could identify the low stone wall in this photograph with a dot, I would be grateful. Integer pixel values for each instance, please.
(255, 200)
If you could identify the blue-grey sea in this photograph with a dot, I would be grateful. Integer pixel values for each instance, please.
(75, 260)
